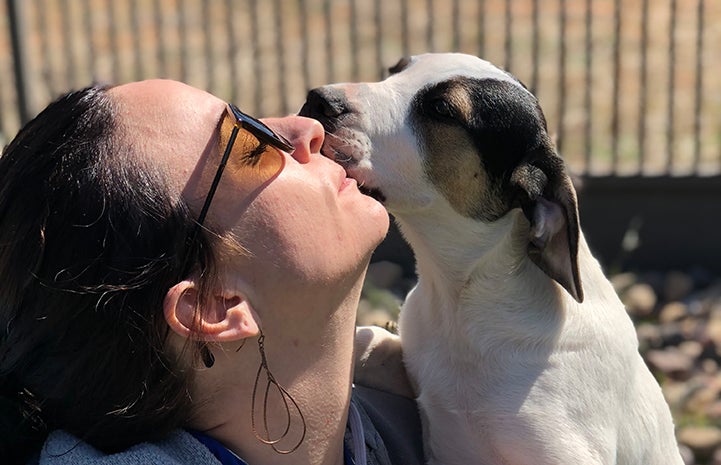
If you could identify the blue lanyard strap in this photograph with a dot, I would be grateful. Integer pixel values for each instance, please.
(222, 453)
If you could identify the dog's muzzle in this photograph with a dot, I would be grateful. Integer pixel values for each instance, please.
(326, 104)
(330, 107)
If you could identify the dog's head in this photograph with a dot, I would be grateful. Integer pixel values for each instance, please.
(457, 127)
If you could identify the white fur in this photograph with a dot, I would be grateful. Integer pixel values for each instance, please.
(508, 368)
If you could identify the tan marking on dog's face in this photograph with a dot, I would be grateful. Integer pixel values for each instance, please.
(452, 162)
(455, 169)
(460, 102)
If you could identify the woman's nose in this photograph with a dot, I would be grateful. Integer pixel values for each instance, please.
(305, 134)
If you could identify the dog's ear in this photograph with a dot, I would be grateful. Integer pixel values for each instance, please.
(548, 200)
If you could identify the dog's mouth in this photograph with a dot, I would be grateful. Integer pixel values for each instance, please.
(350, 164)
(372, 192)
(337, 154)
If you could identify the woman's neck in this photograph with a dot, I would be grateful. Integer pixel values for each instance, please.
(311, 358)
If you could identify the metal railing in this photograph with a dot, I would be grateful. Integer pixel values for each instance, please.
(629, 88)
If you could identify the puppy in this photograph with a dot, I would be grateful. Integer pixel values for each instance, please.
(518, 349)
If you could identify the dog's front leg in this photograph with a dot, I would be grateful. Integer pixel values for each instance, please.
(379, 361)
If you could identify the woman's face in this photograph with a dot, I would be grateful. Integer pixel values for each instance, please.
(305, 229)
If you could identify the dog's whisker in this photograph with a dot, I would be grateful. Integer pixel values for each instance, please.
(339, 155)
(344, 159)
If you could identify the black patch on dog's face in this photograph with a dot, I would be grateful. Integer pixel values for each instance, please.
(499, 122)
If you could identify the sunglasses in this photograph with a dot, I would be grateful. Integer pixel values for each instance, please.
(257, 149)
(256, 157)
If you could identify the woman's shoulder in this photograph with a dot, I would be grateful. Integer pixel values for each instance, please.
(178, 448)
(391, 422)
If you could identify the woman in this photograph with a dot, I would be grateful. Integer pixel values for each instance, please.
(179, 285)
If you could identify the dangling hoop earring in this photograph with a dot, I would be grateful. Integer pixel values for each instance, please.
(207, 356)
(284, 394)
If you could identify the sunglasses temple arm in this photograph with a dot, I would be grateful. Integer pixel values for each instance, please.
(218, 174)
(211, 194)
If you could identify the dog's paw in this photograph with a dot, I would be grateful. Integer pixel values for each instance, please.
(379, 361)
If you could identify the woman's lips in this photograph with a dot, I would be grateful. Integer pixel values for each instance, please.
(346, 183)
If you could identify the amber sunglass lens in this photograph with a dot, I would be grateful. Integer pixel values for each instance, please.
(253, 161)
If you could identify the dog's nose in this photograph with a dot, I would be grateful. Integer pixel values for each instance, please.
(329, 102)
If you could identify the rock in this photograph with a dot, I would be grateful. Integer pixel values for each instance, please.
(709, 299)
(640, 300)
(622, 281)
(649, 336)
(702, 440)
(675, 393)
(693, 328)
(655, 279)
(671, 334)
(384, 274)
(693, 349)
(677, 285)
(701, 400)
(672, 311)
(713, 411)
(671, 362)
(709, 366)
(713, 331)
(698, 305)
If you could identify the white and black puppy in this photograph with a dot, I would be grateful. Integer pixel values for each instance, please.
(517, 346)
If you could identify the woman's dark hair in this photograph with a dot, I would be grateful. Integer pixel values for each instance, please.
(91, 239)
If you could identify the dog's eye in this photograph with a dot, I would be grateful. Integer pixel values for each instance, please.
(442, 108)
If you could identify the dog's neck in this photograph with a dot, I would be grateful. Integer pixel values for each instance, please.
(468, 270)
(451, 251)
(473, 273)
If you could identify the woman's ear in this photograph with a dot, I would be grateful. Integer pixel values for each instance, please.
(224, 317)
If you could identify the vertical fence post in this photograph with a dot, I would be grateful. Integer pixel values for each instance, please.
(562, 46)
(588, 86)
(698, 103)
(378, 19)
(643, 88)
(355, 58)
(405, 40)
(615, 109)
(535, 46)
(16, 18)
(481, 28)
(508, 36)
(329, 49)
(670, 116)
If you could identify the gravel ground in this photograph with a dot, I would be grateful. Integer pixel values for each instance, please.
(678, 321)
